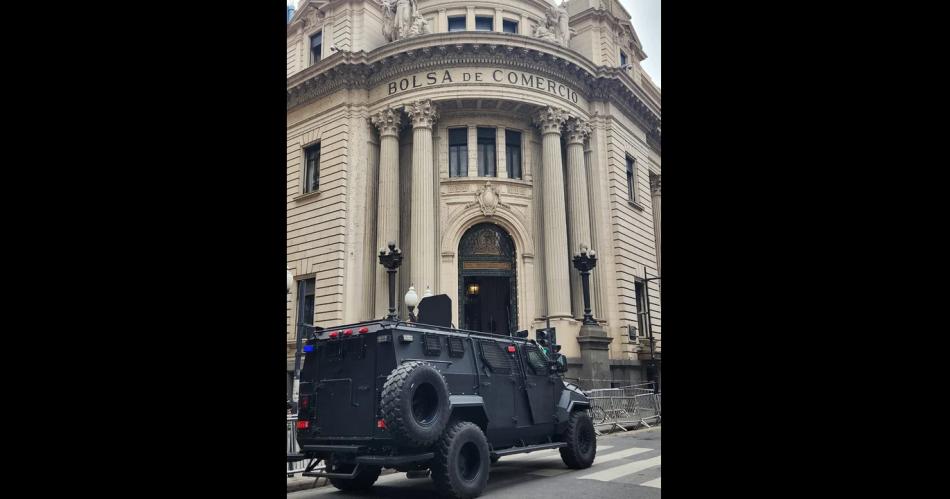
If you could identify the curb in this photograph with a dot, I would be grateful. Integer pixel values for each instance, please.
(300, 483)
(615, 431)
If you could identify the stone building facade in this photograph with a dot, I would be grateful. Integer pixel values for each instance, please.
(490, 140)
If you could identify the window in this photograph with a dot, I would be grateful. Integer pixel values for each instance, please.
(458, 152)
(486, 152)
(639, 289)
(623, 59)
(513, 153)
(535, 360)
(632, 180)
(484, 23)
(457, 23)
(496, 359)
(305, 292)
(509, 26)
(316, 47)
(311, 180)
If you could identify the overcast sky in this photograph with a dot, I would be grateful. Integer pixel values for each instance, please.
(645, 15)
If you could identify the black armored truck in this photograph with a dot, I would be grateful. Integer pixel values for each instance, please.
(431, 400)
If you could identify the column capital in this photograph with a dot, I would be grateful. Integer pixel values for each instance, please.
(577, 131)
(655, 185)
(422, 113)
(550, 119)
(388, 121)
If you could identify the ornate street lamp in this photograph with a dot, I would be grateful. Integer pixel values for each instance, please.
(412, 299)
(584, 262)
(391, 260)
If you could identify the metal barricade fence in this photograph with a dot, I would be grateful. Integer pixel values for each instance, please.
(294, 448)
(633, 405)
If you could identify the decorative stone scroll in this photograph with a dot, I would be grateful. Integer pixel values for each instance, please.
(487, 199)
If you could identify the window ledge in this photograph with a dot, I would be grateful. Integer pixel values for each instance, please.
(483, 179)
(636, 205)
(308, 195)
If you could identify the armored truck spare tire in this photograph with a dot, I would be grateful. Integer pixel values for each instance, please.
(415, 404)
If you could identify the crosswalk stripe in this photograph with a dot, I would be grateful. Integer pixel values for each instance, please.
(620, 454)
(622, 470)
(652, 483)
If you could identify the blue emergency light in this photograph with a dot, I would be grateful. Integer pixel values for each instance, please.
(307, 348)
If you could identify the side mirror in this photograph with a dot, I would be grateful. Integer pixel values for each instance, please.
(560, 363)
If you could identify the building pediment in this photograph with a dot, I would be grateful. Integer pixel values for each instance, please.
(308, 14)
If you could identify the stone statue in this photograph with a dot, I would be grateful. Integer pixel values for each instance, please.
(556, 27)
(563, 19)
(402, 20)
(420, 26)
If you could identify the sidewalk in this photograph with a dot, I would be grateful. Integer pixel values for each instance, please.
(298, 482)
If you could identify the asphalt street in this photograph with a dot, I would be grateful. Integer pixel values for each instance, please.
(627, 465)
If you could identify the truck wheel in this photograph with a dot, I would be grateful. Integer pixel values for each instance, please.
(581, 441)
(462, 462)
(364, 479)
(415, 404)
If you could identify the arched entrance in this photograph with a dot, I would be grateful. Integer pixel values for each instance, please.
(488, 293)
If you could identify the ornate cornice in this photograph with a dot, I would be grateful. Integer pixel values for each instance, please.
(550, 119)
(361, 70)
(577, 131)
(422, 113)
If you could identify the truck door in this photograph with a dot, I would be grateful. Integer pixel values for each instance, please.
(540, 384)
(345, 392)
(498, 388)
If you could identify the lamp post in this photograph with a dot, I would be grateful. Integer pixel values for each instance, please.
(391, 260)
(584, 262)
(295, 390)
(646, 296)
(412, 299)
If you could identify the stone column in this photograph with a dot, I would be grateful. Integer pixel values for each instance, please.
(422, 220)
(578, 209)
(556, 255)
(655, 193)
(388, 121)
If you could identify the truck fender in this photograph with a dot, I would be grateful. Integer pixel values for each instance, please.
(470, 408)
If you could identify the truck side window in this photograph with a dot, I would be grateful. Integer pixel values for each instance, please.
(496, 359)
(535, 360)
